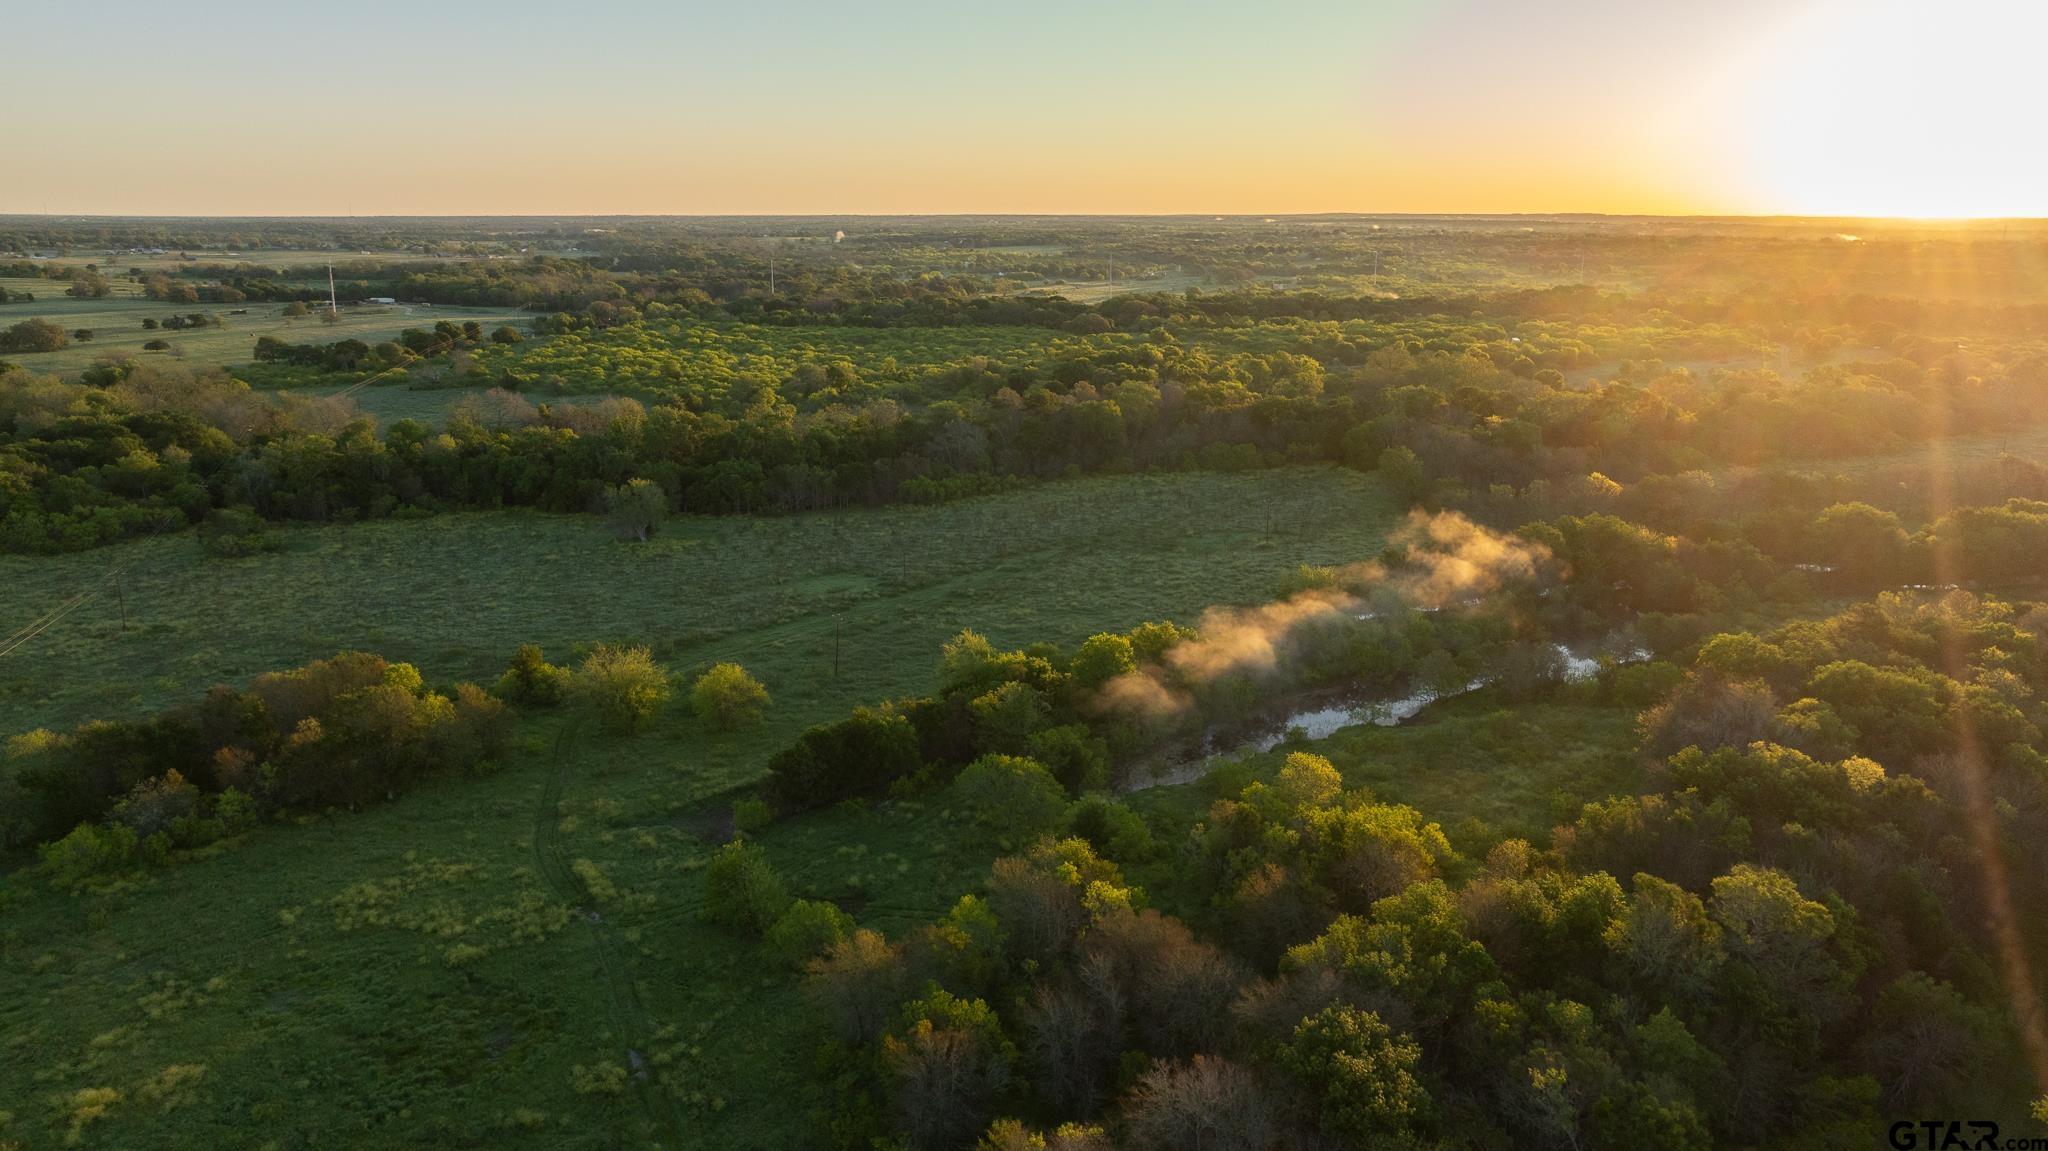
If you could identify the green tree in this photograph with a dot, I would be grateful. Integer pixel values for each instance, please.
(1401, 470)
(726, 697)
(1014, 797)
(33, 336)
(805, 930)
(741, 890)
(623, 685)
(636, 508)
(531, 681)
(1361, 1075)
(1102, 658)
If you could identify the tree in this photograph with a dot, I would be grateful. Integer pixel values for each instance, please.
(947, 1065)
(636, 509)
(82, 335)
(726, 697)
(859, 982)
(1209, 1103)
(33, 336)
(623, 685)
(295, 309)
(1781, 934)
(1864, 545)
(87, 284)
(1401, 470)
(741, 890)
(1012, 797)
(1927, 1042)
(1710, 711)
(1102, 658)
(531, 681)
(805, 930)
(1307, 780)
(1361, 1075)
(506, 334)
(1665, 939)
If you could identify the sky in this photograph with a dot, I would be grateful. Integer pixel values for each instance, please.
(1813, 107)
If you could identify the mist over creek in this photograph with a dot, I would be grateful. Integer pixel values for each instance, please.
(1324, 712)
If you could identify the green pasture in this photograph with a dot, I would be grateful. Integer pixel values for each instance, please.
(116, 324)
(414, 974)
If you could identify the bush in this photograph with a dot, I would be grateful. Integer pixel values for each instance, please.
(636, 509)
(751, 815)
(1115, 830)
(741, 890)
(726, 697)
(33, 336)
(859, 755)
(1075, 755)
(531, 681)
(230, 532)
(806, 930)
(89, 853)
(623, 685)
(1013, 796)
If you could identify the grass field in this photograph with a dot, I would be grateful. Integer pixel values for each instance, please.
(116, 324)
(1497, 769)
(412, 974)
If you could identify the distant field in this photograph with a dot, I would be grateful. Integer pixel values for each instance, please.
(117, 326)
(309, 971)
(456, 593)
(280, 258)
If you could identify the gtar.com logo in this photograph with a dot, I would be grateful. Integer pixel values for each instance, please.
(1954, 1135)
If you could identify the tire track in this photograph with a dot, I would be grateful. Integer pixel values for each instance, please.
(630, 1019)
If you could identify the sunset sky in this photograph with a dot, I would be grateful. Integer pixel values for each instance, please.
(1850, 107)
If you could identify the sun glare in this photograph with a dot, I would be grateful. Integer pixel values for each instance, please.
(1894, 108)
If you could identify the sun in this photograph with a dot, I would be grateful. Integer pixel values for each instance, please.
(1894, 108)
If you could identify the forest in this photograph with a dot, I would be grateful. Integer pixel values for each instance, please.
(1024, 682)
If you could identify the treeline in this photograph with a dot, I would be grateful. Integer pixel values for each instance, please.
(352, 354)
(343, 732)
(1482, 428)
(1791, 935)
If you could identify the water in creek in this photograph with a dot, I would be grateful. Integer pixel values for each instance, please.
(1328, 719)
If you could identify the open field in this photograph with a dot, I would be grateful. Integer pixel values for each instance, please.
(313, 971)
(457, 593)
(116, 324)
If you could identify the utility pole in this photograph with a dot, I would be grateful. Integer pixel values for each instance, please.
(121, 595)
(333, 306)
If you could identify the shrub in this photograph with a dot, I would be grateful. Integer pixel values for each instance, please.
(623, 685)
(531, 681)
(636, 509)
(806, 930)
(751, 815)
(1115, 830)
(88, 854)
(230, 532)
(859, 755)
(1015, 797)
(1075, 755)
(726, 697)
(741, 890)
(33, 336)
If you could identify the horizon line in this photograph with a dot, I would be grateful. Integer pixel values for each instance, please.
(973, 215)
